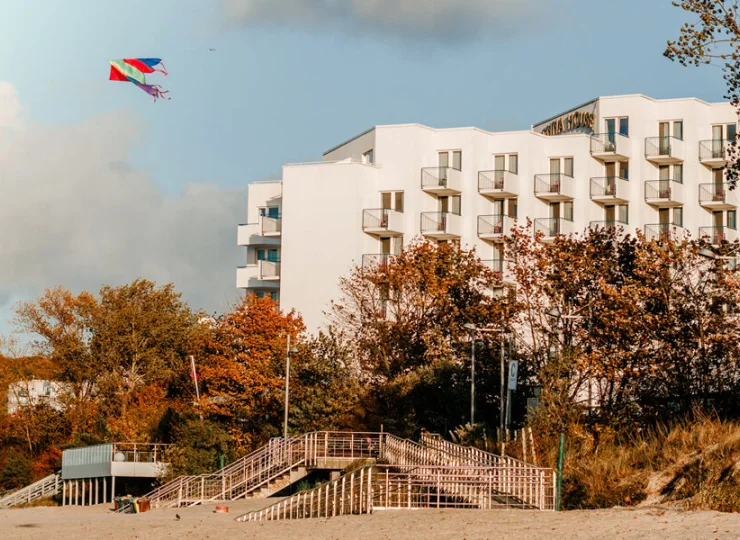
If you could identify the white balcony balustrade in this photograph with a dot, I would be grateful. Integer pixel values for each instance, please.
(498, 184)
(441, 180)
(665, 150)
(664, 193)
(611, 147)
(441, 225)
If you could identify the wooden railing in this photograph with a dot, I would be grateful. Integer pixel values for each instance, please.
(433, 474)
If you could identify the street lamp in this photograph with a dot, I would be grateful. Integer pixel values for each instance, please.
(473, 329)
(287, 385)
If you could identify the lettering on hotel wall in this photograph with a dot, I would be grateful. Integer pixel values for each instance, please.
(570, 122)
(582, 119)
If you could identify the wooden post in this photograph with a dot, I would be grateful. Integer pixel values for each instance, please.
(64, 493)
(105, 489)
(113, 489)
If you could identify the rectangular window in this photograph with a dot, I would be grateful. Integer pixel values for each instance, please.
(568, 210)
(385, 245)
(514, 163)
(678, 129)
(678, 216)
(369, 157)
(498, 207)
(457, 160)
(611, 125)
(513, 208)
(455, 204)
(624, 215)
(499, 163)
(443, 204)
(397, 245)
(568, 166)
(731, 132)
(624, 126)
(399, 201)
(385, 200)
(678, 174)
(624, 170)
(443, 160)
(555, 166)
(274, 295)
(732, 219)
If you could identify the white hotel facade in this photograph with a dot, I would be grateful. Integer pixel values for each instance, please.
(629, 161)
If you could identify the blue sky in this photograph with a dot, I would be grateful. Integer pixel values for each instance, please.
(288, 80)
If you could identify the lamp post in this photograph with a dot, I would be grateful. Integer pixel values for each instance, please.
(287, 385)
(473, 330)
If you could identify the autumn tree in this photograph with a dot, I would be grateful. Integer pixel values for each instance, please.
(712, 37)
(405, 322)
(242, 370)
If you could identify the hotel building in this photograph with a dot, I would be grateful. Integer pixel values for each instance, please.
(628, 161)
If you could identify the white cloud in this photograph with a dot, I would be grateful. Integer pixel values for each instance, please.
(440, 18)
(74, 212)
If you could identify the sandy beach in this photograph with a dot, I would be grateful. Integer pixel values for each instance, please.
(78, 523)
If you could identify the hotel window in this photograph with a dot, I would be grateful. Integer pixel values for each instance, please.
(270, 211)
(513, 208)
(514, 163)
(618, 125)
(724, 132)
(678, 174)
(451, 204)
(624, 170)
(270, 255)
(624, 126)
(392, 200)
(568, 166)
(732, 219)
(678, 129)
(445, 157)
(568, 210)
(678, 216)
(623, 213)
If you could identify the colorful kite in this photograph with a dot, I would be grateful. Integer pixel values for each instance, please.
(133, 69)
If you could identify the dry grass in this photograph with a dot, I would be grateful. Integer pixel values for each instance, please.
(695, 464)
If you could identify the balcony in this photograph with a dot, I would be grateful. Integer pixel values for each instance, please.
(498, 184)
(664, 231)
(717, 196)
(266, 232)
(499, 268)
(610, 190)
(441, 180)
(713, 153)
(441, 225)
(610, 147)
(664, 193)
(377, 261)
(618, 228)
(382, 222)
(718, 235)
(550, 228)
(495, 227)
(263, 275)
(664, 150)
(554, 187)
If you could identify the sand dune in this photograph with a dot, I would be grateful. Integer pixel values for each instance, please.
(201, 522)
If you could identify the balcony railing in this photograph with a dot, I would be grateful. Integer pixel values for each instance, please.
(496, 266)
(441, 180)
(718, 235)
(664, 149)
(665, 192)
(498, 183)
(269, 269)
(494, 226)
(717, 196)
(552, 227)
(377, 260)
(382, 220)
(610, 146)
(556, 186)
(664, 231)
(713, 152)
(609, 189)
(440, 224)
(271, 226)
(609, 225)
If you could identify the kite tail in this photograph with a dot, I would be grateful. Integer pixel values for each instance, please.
(160, 93)
(163, 70)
